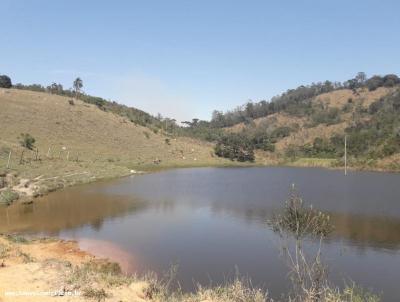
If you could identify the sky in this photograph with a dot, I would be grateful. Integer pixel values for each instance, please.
(184, 59)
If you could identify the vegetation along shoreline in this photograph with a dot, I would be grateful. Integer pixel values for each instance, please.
(54, 137)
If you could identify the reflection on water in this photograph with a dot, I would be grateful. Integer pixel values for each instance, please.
(368, 231)
(359, 230)
(107, 249)
(69, 209)
(211, 220)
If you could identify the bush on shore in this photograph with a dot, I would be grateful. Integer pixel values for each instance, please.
(8, 196)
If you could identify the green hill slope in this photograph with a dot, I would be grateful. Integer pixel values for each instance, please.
(308, 126)
(369, 119)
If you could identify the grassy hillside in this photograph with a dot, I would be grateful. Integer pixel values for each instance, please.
(308, 126)
(135, 115)
(80, 143)
(305, 128)
(368, 118)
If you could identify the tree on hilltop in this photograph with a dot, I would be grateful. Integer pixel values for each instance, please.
(361, 77)
(55, 88)
(78, 84)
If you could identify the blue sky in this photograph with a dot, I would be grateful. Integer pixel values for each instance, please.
(187, 58)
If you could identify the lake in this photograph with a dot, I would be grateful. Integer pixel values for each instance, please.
(212, 222)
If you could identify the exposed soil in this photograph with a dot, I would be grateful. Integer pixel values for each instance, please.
(40, 268)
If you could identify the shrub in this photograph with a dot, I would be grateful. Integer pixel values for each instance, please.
(375, 106)
(262, 140)
(27, 141)
(146, 134)
(291, 152)
(328, 117)
(297, 222)
(323, 148)
(281, 132)
(96, 294)
(5, 82)
(347, 107)
(17, 239)
(268, 146)
(8, 196)
(391, 146)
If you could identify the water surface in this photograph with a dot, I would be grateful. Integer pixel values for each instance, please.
(212, 222)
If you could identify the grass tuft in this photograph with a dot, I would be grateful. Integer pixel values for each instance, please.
(17, 239)
(95, 294)
(8, 196)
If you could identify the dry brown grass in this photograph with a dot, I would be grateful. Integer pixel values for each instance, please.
(339, 98)
(303, 133)
(86, 131)
(97, 144)
(277, 120)
(307, 135)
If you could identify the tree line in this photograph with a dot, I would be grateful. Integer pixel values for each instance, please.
(374, 137)
(297, 101)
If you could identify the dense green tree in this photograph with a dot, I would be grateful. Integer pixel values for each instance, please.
(250, 110)
(374, 82)
(235, 147)
(390, 80)
(5, 81)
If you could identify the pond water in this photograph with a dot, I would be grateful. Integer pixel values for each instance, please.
(212, 222)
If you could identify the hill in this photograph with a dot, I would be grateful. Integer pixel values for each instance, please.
(78, 142)
(333, 113)
(308, 126)
(135, 115)
(369, 119)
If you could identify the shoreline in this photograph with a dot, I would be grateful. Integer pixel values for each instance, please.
(48, 269)
(28, 190)
(29, 268)
(70, 267)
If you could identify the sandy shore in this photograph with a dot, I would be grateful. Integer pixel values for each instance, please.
(58, 270)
